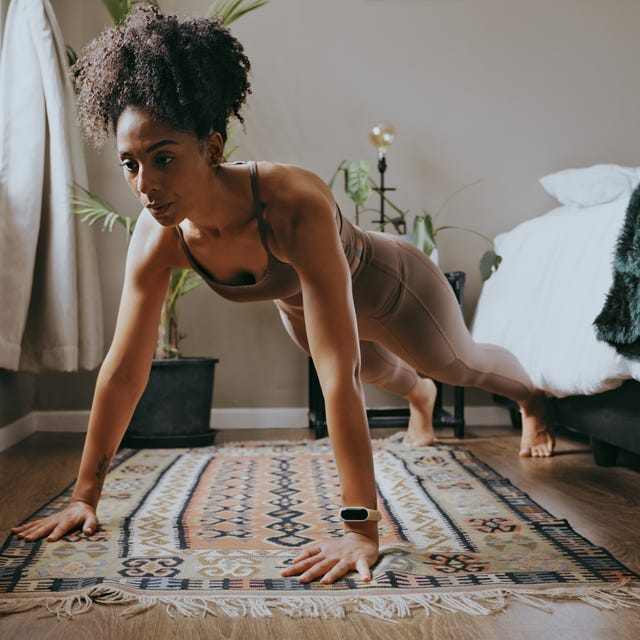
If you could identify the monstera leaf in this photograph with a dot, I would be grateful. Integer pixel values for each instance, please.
(356, 182)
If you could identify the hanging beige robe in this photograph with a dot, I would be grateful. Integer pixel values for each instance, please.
(50, 303)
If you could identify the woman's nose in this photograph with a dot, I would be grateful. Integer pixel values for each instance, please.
(146, 182)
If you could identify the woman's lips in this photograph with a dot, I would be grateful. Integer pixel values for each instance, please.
(158, 209)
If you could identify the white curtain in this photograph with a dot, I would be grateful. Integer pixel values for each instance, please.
(50, 302)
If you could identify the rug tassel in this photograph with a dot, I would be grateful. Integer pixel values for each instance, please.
(310, 607)
(532, 601)
(384, 607)
(69, 607)
(621, 597)
(19, 605)
(188, 609)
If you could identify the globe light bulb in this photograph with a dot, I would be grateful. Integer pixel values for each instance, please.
(381, 136)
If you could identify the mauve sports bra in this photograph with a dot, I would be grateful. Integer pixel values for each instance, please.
(280, 280)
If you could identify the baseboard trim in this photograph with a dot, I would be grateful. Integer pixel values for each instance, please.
(221, 419)
(265, 418)
(61, 421)
(486, 416)
(16, 431)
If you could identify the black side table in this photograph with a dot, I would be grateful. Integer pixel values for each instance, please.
(396, 416)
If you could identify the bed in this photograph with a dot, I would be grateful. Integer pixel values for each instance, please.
(553, 281)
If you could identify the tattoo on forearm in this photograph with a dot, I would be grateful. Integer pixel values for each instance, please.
(103, 467)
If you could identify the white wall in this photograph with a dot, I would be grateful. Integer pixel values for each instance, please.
(499, 90)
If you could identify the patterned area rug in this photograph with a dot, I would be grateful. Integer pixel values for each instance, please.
(208, 530)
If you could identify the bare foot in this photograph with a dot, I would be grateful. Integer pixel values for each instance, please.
(537, 439)
(422, 399)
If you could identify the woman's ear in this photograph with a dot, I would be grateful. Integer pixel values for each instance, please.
(215, 149)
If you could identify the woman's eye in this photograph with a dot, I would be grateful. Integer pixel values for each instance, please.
(163, 161)
(129, 165)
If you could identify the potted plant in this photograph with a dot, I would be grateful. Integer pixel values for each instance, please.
(175, 408)
(359, 185)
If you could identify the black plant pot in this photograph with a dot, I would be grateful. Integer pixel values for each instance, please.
(175, 408)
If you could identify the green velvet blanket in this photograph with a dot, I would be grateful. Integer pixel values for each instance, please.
(619, 321)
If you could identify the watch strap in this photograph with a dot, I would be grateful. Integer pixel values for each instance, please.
(359, 514)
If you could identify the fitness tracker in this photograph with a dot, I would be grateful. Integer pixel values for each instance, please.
(359, 514)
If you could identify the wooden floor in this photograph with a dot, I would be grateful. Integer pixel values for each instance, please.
(602, 504)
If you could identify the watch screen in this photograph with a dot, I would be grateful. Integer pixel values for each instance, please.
(354, 514)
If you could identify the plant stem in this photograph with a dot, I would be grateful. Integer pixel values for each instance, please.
(397, 209)
(451, 196)
(473, 231)
(335, 175)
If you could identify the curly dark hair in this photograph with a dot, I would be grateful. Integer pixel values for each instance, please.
(190, 74)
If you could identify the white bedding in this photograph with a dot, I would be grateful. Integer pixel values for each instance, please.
(551, 284)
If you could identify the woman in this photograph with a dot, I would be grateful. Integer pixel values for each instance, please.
(365, 306)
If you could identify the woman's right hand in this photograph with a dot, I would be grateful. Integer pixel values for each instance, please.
(76, 515)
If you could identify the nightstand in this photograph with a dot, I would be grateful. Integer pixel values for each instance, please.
(396, 416)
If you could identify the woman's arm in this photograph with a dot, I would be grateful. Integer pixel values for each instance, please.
(314, 248)
(120, 383)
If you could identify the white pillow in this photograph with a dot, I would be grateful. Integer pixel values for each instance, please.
(591, 186)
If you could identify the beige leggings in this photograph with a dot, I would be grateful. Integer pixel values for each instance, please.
(409, 321)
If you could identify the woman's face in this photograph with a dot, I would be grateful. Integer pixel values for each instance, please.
(167, 170)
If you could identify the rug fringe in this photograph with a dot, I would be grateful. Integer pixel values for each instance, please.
(384, 607)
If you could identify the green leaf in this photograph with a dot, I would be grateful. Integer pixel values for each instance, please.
(399, 224)
(118, 9)
(72, 56)
(94, 210)
(192, 281)
(230, 10)
(423, 235)
(229, 151)
(181, 282)
(356, 182)
(489, 264)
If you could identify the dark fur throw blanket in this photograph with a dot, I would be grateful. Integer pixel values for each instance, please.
(619, 321)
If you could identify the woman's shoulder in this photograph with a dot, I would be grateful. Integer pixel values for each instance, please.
(289, 185)
(154, 246)
(298, 205)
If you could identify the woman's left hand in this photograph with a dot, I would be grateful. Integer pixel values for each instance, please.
(335, 558)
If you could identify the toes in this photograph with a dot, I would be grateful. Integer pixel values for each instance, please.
(536, 450)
